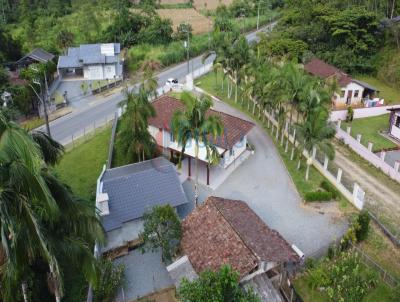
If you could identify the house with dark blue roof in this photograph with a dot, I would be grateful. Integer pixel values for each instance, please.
(92, 62)
(125, 193)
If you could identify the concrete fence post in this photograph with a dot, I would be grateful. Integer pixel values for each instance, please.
(314, 152)
(370, 145)
(359, 138)
(348, 130)
(294, 137)
(326, 161)
(339, 175)
(382, 156)
(339, 123)
(396, 166)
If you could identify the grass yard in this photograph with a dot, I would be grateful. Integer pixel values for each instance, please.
(207, 83)
(32, 123)
(80, 167)
(389, 94)
(369, 129)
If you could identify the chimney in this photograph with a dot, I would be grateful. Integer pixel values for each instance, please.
(102, 204)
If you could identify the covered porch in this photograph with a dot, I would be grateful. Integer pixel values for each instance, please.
(209, 175)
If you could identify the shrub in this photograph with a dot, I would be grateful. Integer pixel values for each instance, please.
(318, 196)
(110, 278)
(327, 186)
(350, 114)
(363, 220)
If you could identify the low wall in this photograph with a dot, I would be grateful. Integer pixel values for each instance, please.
(360, 112)
(367, 154)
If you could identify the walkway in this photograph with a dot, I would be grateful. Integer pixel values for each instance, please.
(264, 183)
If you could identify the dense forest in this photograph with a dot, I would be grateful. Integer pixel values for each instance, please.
(356, 36)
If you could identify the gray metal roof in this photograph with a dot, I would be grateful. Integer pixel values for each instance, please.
(136, 188)
(365, 85)
(38, 55)
(88, 54)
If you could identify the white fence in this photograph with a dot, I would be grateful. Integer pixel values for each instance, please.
(360, 112)
(366, 152)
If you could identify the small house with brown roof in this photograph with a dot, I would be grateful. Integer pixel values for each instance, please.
(230, 146)
(227, 232)
(352, 92)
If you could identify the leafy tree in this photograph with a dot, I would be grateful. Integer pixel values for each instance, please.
(161, 229)
(109, 280)
(183, 30)
(65, 39)
(193, 124)
(134, 142)
(220, 286)
(316, 132)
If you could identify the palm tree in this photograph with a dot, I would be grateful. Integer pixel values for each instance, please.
(316, 132)
(194, 124)
(240, 55)
(150, 83)
(134, 140)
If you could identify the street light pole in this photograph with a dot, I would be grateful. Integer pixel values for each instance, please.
(187, 47)
(44, 99)
(258, 14)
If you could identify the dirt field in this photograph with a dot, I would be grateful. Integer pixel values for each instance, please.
(200, 23)
(200, 4)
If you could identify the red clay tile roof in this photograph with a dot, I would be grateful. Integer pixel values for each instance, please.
(321, 69)
(223, 231)
(234, 128)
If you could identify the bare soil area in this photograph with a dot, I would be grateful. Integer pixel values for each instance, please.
(200, 23)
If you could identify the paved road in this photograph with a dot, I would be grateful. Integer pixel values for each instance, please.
(93, 110)
(264, 183)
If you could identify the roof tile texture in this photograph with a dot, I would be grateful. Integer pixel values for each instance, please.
(321, 69)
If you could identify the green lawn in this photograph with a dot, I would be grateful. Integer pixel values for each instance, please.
(208, 83)
(369, 129)
(389, 94)
(80, 167)
(32, 123)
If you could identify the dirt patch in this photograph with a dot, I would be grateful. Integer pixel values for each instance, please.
(165, 295)
(326, 208)
(201, 4)
(383, 200)
(200, 23)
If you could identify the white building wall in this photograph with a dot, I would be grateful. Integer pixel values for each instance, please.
(341, 101)
(231, 155)
(109, 71)
(395, 132)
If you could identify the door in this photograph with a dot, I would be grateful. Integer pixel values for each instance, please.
(349, 97)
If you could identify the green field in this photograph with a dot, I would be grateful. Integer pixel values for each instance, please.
(369, 129)
(81, 166)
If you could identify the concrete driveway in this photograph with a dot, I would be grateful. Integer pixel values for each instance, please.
(264, 183)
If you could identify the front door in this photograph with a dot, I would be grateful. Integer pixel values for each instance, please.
(349, 96)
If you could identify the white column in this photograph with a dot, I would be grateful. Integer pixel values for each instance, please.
(396, 165)
(348, 130)
(370, 145)
(359, 138)
(383, 154)
(326, 161)
(339, 123)
(339, 175)
(314, 152)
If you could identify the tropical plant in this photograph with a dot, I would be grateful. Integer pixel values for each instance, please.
(220, 286)
(195, 125)
(316, 132)
(161, 229)
(134, 142)
(109, 280)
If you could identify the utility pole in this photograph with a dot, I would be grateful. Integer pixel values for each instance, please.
(187, 46)
(44, 98)
(258, 14)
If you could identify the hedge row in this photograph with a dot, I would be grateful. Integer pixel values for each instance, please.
(318, 196)
(327, 186)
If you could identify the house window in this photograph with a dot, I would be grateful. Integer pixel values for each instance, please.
(342, 93)
(171, 137)
(397, 122)
(356, 92)
(231, 152)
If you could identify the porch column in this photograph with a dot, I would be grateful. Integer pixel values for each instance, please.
(171, 154)
(189, 166)
(208, 174)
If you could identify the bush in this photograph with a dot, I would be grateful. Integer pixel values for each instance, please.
(110, 278)
(318, 196)
(327, 186)
(363, 220)
(350, 114)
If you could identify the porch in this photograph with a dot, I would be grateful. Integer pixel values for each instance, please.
(211, 176)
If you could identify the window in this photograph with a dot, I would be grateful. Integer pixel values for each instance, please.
(231, 152)
(397, 121)
(171, 137)
(356, 92)
(342, 93)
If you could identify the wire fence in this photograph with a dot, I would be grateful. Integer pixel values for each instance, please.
(87, 132)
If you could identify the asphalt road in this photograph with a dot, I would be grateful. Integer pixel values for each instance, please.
(94, 110)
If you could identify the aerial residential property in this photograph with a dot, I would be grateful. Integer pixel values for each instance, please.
(200, 151)
(92, 62)
(352, 92)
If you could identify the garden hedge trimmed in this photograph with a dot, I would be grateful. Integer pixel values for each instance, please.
(318, 196)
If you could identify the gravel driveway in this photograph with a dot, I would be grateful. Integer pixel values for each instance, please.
(264, 183)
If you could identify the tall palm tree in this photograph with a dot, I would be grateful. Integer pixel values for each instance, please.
(195, 124)
(150, 83)
(240, 55)
(134, 139)
(316, 132)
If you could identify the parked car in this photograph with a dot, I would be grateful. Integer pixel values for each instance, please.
(171, 82)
